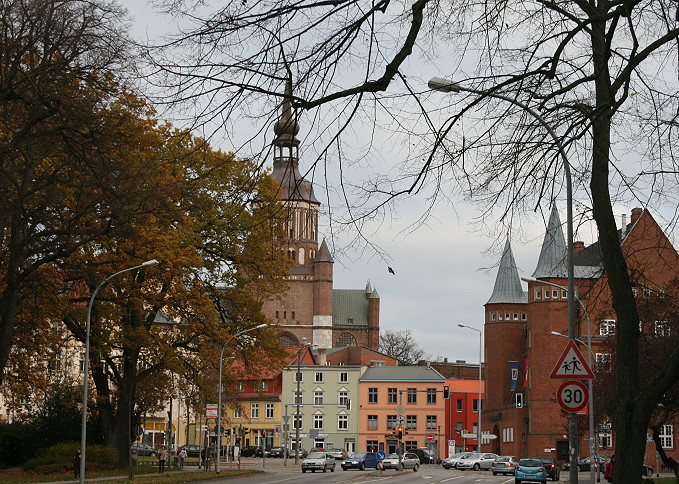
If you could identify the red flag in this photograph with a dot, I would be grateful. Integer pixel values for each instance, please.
(525, 380)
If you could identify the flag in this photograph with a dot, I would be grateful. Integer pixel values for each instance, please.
(513, 374)
(525, 380)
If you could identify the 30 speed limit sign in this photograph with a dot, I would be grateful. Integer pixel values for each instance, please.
(572, 395)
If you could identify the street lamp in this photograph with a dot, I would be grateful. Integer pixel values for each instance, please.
(590, 403)
(219, 395)
(298, 377)
(478, 430)
(446, 85)
(83, 425)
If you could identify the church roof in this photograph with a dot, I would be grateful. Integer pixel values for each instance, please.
(350, 307)
(508, 287)
(552, 261)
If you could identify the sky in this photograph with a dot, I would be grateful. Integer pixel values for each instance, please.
(444, 270)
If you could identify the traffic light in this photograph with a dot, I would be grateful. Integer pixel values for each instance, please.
(399, 432)
(263, 433)
(348, 404)
(227, 431)
(519, 400)
(446, 391)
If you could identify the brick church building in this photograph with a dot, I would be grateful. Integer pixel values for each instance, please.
(521, 351)
(312, 308)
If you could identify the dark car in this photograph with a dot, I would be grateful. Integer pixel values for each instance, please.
(277, 452)
(551, 467)
(361, 460)
(425, 456)
(249, 451)
(144, 449)
(191, 450)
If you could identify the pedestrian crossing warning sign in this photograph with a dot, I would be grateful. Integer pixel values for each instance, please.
(571, 364)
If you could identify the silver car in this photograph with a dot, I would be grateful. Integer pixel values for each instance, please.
(408, 461)
(505, 464)
(318, 461)
(477, 462)
(454, 460)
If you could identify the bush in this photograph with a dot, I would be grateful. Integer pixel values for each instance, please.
(59, 458)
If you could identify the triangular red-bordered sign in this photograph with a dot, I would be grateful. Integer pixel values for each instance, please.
(571, 365)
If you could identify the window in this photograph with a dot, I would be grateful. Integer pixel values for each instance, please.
(546, 293)
(297, 397)
(240, 387)
(460, 405)
(237, 412)
(269, 410)
(344, 377)
(343, 422)
(607, 327)
(411, 444)
(564, 295)
(431, 395)
(254, 410)
(412, 395)
(647, 293)
(318, 421)
(492, 316)
(661, 329)
(371, 445)
(318, 377)
(372, 422)
(411, 422)
(602, 361)
(262, 386)
(667, 436)
(475, 405)
(516, 316)
(555, 294)
(523, 316)
(342, 397)
(508, 434)
(318, 398)
(499, 316)
(299, 377)
(297, 421)
(431, 422)
(392, 422)
(392, 395)
(372, 395)
(538, 294)
(506, 316)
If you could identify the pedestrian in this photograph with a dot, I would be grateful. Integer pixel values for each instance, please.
(203, 458)
(162, 455)
(182, 456)
(76, 464)
(608, 470)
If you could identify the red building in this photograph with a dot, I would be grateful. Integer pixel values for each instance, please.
(520, 351)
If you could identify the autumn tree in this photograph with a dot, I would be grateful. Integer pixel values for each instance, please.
(602, 73)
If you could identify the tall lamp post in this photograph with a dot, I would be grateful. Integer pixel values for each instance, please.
(298, 378)
(446, 85)
(83, 425)
(478, 429)
(590, 403)
(219, 395)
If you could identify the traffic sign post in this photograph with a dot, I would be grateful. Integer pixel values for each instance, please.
(571, 364)
(572, 395)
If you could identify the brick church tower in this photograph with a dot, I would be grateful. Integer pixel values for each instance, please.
(311, 308)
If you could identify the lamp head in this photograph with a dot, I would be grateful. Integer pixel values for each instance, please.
(443, 85)
(529, 279)
(150, 263)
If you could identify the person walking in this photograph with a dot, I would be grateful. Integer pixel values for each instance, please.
(608, 470)
(162, 456)
(76, 464)
(182, 456)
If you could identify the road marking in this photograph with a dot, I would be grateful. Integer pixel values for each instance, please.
(451, 479)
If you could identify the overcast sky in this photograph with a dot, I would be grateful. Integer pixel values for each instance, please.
(444, 271)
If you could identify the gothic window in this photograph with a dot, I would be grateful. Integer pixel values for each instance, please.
(346, 339)
(287, 340)
(607, 327)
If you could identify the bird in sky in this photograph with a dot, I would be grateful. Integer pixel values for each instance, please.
(391, 271)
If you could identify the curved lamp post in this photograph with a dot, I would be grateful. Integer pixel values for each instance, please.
(478, 429)
(446, 85)
(219, 396)
(83, 426)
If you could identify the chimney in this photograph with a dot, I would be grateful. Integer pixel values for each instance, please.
(636, 213)
(578, 246)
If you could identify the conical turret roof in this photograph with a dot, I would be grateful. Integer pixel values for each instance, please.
(507, 282)
(553, 256)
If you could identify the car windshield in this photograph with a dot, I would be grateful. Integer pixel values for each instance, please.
(317, 455)
(358, 455)
(392, 456)
(474, 456)
(530, 463)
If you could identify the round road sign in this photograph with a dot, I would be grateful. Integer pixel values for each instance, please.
(572, 396)
(429, 437)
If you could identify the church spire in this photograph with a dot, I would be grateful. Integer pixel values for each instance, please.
(552, 261)
(507, 288)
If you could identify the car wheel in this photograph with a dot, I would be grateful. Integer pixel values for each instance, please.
(477, 467)
(325, 468)
(332, 469)
(415, 467)
(344, 468)
(495, 473)
(362, 466)
(517, 481)
(303, 471)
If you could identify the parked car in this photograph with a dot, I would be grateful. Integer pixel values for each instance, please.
(585, 464)
(338, 454)
(408, 461)
(249, 451)
(551, 467)
(453, 460)
(530, 470)
(191, 450)
(302, 453)
(477, 462)
(258, 451)
(426, 456)
(361, 460)
(144, 449)
(505, 464)
(278, 452)
(318, 461)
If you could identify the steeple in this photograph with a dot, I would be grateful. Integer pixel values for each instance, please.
(507, 282)
(552, 261)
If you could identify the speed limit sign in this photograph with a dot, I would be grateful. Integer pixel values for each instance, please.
(572, 396)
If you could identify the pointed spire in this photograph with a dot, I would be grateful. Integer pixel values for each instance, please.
(368, 287)
(507, 282)
(287, 127)
(374, 294)
(323, 254)
(552, 261)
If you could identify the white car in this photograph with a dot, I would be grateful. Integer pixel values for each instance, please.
(408, 461)
(477, 462)
(318, 461)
